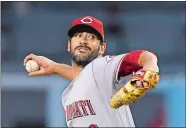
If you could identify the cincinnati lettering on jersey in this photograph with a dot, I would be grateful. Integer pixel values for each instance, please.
(79, 109)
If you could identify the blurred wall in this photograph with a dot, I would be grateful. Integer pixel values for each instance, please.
(41, 28)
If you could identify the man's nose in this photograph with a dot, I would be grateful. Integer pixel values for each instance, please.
(83, 39)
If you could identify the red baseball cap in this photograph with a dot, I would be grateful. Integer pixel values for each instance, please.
(89, 24)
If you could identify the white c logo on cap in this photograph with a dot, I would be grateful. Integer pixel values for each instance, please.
(86, 20)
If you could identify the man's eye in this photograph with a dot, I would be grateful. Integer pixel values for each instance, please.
(77, 35)
(91, 37)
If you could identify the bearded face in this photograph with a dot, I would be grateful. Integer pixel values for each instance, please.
(84, 48)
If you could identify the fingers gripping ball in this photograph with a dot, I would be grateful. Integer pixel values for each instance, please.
(31, 66)
(129, 93)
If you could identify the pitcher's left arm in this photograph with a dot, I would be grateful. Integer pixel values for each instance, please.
(146, 75)
(136, 60)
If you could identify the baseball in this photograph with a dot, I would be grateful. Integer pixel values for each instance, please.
(31, 66)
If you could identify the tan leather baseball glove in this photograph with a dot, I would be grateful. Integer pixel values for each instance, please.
(129, 93)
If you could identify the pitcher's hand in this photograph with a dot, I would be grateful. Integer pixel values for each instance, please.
(47, 66)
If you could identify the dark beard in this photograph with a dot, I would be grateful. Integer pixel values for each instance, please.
(84, 62)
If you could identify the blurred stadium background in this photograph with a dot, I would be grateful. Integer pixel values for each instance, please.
(41, 28)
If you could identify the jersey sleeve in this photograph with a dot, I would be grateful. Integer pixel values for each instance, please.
(114, 71)
(130, 63)
(105, 70)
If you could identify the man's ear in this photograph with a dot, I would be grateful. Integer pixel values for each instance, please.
(69, 43)
(102, 48)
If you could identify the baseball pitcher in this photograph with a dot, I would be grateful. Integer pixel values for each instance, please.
(102, 87)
